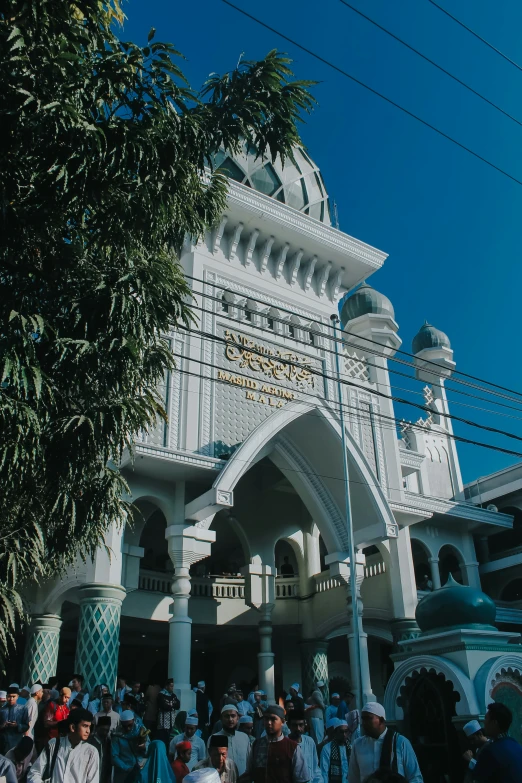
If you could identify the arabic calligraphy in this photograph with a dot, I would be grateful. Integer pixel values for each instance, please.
(278, 364)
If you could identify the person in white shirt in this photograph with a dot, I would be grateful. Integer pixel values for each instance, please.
(76, 686)
(381, 747)
(297, 725)
(243, 707)
(239, 747)
(246, 725)
(199, 750)
(335, 755)
(333, 708)
(107, 712)
(68, 759)
(32, 708)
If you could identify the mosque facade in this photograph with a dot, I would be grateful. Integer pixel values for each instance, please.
(236, 566)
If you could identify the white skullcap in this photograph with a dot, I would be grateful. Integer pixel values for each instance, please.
(206, 775)
(471, 728)
(127, 715)
(70, 684)
(335, 696)
(201, 684)
(191, 713)
(320, 683)
(341, 723)
(260, 692)
(332, 723)
(25, 688)
(375, 709)
(36, 687)
(295, 686)
(14, 685)
(3, 694)
(229, 708)
(191, 721)
(246, 719)
(288, 698)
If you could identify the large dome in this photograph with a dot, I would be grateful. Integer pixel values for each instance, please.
(366, 300)
(456, 606)
(298, 184)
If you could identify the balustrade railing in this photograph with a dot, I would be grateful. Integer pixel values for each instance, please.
(234, 586)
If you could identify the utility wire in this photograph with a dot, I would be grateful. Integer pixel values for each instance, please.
(379, 353)
(483, 40)
(270, 333)
(376, 414)
(375, 92)
(318, 373)
(432, 62)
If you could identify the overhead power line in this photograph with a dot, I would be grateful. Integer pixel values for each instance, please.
(332, 338)
(432, 62)
(345, 382)
(377, 414)
(483, 40)
(375, 92)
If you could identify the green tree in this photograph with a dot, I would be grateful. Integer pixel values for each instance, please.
(102, 174)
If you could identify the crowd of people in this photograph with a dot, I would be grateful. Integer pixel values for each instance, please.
(53, 734)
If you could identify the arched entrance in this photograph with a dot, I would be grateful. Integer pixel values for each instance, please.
(428, 700)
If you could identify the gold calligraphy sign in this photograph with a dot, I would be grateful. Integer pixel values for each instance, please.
(277, 364)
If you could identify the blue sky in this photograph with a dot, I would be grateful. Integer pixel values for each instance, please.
(450, 224)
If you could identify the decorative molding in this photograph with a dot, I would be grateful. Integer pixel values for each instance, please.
(219, 233)
(281, 260)
(265, 255)
(251, 246)
(322, 277)
(336, 284)
(236, 236)
(294, 266)
(176, 455)
(309, 273)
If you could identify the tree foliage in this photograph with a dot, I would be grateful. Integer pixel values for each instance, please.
(103, 150)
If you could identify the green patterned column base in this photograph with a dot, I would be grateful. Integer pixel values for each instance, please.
(98, 641)
(41, 648)
(314, 666)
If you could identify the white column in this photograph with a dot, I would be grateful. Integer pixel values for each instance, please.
(265, 656)
(187, 545)
(435, 572)
(260, 595)
(471, 573)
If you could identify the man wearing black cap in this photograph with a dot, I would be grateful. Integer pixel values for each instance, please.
(101, 740)
(13, 720)
(276, 758)
(218, 759)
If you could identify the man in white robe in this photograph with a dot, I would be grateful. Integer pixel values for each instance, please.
(239, 747)
(367, 750)
(297, 725)
(315, 712)
(334, 755)
(199, 750)
(32, 708)
(75, 761)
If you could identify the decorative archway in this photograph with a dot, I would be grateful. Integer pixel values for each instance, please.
(278, 438)
(501, 680)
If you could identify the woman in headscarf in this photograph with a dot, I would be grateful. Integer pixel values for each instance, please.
(21, 756)
(157, 768)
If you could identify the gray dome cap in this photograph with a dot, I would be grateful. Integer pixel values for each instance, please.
(429, 337)
(364, 301)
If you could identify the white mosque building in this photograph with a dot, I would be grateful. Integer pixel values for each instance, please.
(236, 568)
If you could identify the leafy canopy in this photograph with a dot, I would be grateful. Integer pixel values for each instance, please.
(102, 157)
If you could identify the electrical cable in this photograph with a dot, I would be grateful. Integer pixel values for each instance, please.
(367, 340)
(376, 414)
(271, 335)
(432, 62)
(483, 40)
(313, 371)
(375, 92)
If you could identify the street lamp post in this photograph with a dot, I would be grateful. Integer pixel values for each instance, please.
(356, 622)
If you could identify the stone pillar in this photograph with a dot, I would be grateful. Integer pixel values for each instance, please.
(471, 575)
(314, 665)
(265, 656)
(260, 595)
(435, 572)
(187, 545)
(41, 648)
(339, 565)
(98, 642)
(482, 547)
